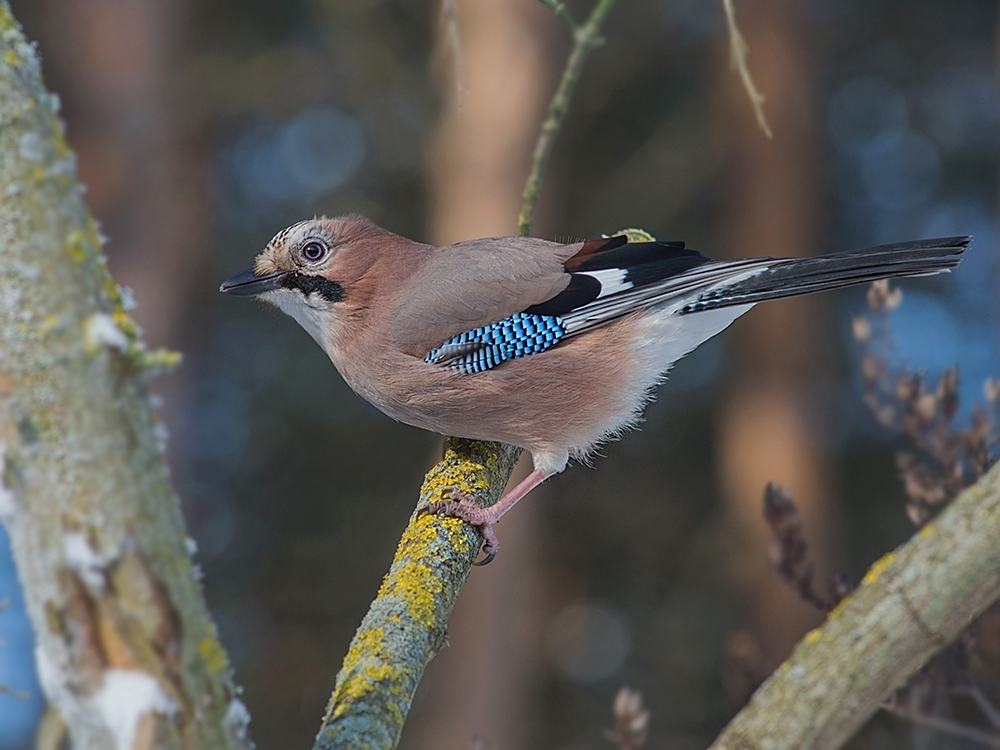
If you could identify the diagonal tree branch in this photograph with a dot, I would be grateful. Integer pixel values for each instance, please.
(126, 650)
(407, 623)
(911, 603)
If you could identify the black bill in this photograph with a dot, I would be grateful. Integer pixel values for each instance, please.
(248, 284)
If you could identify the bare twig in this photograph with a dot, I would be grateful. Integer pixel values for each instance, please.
(944, 725)
(738, 58)
(788, 552)
(585, 37)
(563, 12)
(449, 20)
(990, 712)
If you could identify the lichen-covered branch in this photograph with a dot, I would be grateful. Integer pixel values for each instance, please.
(126, 650)
(407, 623)
(912, 602)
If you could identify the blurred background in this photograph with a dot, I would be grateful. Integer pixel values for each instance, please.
(202, 128)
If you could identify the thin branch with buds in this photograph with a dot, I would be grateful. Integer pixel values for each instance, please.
(585, 38)
(738, 50)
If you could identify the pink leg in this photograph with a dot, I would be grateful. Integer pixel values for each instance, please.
(463, 507)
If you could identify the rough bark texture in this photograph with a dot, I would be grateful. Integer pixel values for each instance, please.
(911, 603)
(407, 623)
(126, 649)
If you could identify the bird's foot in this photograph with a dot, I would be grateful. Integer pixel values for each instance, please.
(462, 506)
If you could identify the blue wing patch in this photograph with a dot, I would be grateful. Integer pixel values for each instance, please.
(484, 348)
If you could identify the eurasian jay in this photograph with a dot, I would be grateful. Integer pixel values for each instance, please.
(552, 347)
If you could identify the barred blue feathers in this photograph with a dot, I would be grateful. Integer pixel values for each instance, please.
(484, 348)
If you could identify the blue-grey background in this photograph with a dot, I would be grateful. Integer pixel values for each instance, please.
(202, 128)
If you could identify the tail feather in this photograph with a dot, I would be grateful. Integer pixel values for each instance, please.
(794, 276)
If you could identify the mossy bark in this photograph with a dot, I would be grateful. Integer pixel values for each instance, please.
(407, 624)
(85, 493)
(912, 602)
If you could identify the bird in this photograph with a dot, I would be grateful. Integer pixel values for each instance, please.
(552, 347)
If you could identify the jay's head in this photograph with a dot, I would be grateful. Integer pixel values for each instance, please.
(310, 269)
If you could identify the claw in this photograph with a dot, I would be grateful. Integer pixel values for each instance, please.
(486, 560)
(462, 506)
(490, 545)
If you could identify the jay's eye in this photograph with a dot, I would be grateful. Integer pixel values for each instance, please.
(314, 251)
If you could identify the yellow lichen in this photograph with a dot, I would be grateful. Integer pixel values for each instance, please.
(123, 321)
(456, 534)
(416, 585)
(419, 535)
(7, 21)
(366, 644)
(37, 174)
(460, 475)
(10, 57)
(813, 636)
(635, 235)
(835, 612)
(212, 654)
(878, 568)
(62, 148)
(927, 531)
(92, 234)
(157, 360)
(368, 663)
(76, 245)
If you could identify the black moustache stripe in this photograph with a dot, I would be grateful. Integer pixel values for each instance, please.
(331, 291)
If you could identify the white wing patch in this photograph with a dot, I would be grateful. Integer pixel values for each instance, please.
(612, 280)
(673, 292)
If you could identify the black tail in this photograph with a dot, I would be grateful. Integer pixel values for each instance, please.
(794, 276)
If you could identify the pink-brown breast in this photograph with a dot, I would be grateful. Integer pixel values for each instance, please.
(562, 401)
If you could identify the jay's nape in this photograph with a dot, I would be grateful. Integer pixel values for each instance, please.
(552, 347)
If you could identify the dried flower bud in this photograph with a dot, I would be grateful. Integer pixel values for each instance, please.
(885, 416)
(926, 406)
(947, 392)
(876, 294)
(908, 387)
(917, 514)
(894, 299)
(991, 390)
(631, 720)
(870, 368)
(862, 328)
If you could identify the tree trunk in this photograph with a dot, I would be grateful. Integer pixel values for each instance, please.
(126, 650)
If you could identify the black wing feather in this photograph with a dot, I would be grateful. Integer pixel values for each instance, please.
(582, 290)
